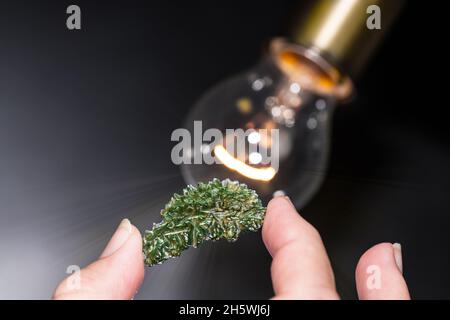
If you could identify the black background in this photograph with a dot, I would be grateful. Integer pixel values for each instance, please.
(85, 124)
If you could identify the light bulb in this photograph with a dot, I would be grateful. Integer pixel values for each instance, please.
(284, 105)
(292, 90)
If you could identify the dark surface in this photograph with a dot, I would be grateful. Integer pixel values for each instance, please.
(85, 124)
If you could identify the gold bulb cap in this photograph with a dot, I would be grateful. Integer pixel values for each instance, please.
(345, 31)
(308, 68)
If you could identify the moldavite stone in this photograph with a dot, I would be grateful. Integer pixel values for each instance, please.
(209, 211)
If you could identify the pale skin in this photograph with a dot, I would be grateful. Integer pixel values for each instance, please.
(300, 268)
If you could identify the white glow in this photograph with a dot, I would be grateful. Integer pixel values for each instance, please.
(263, 174)
(255, 158)
(288, 113)
(290, 122)
(276, 111)
(311, 123)
(254, 137)
(271, 101)
(295, 87)
(258, 84)
(321, 104)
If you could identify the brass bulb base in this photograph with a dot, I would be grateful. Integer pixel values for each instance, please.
(307, 67)
(340, 31)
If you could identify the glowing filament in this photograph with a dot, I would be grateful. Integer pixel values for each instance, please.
(263, 174)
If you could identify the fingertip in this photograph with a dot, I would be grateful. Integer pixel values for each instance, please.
(283, 224)
(136, 238)
(280, 223)
(115, 276)
(280, 203)
(129, 261)
(379, 253)
(278, 209)
(378, 275)
(300, 267)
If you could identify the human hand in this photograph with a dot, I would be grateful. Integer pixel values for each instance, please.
(301, 268)
(117, 274)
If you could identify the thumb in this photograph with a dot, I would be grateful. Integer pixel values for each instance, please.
(117, 274)
(379, 274)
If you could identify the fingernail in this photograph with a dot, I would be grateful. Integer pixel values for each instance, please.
(398, 256)
(289, 202)
(278, 193)
(119, 237)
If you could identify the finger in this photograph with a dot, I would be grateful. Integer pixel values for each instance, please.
(300, 266)
(379, 274)
(117, 274)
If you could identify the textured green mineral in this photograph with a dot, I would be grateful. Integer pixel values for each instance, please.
(209, 211)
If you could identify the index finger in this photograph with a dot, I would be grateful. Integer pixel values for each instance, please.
(300, 267)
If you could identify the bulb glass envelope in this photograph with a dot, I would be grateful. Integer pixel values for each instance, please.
(284, 106)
